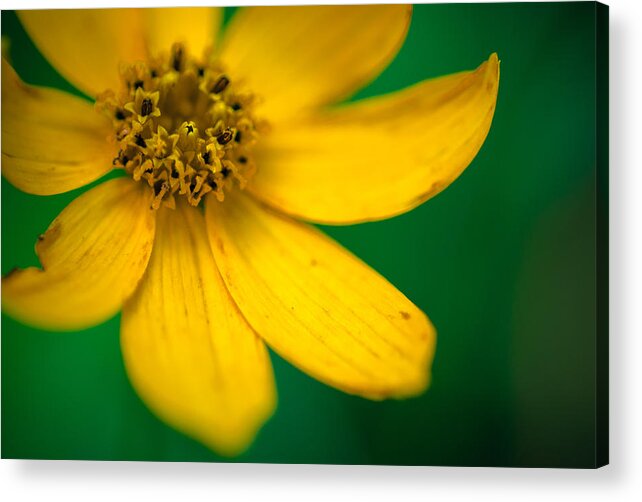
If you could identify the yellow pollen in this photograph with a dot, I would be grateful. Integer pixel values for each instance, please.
(183, 127)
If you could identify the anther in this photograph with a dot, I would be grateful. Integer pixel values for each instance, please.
(140, 141)
(220, 85)
(146, 107)
(225, 137)
(138, 84)
(189, 128)
(236, 107)
(122, 133)
(177, 58)
(237, 136)
(119, 115)
(206, 157)
(200, 71)
(243, 159)
(160, 186)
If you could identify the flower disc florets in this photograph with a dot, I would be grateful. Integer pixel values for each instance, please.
(182, 127)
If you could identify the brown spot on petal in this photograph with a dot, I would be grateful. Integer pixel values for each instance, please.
(52, 233)
(434, 189)
(10, 273)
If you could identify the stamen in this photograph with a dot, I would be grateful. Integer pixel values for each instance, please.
(140, 141)
(182, 127)
(220, 85)
(177, 57)
(147, 107)
(225, 137)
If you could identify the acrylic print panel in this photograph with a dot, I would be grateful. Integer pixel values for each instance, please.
(306, 235)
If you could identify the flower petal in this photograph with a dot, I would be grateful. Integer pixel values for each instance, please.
(87, 45)
(298, 58)
(189, 352)
(52, 142)
(317, 305)
(92, 256)
(380, 157)
(197, 27)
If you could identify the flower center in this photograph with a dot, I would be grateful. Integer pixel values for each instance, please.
(183, 127)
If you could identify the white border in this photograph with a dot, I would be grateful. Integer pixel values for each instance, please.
(622, 480)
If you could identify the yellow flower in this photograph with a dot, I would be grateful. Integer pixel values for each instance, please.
(224, 150)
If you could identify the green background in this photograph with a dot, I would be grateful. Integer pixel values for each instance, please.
(503, 262)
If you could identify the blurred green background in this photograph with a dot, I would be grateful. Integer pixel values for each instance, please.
(503, 262)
